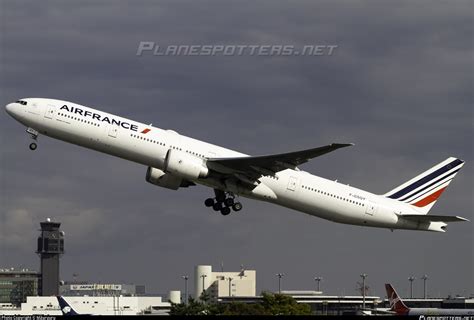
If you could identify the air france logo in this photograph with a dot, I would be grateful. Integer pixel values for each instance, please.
(98, 117)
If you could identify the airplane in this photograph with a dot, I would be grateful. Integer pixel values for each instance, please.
(175, 161)
(66, 309)
(399, 308)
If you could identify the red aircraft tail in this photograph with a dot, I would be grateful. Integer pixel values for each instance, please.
(396, 304)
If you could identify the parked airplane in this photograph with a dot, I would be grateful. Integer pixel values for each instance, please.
(397, 306)
(175, 161)
(66, 309)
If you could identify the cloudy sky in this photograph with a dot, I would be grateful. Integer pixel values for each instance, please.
(399, 86)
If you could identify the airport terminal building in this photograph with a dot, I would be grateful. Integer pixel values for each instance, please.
(17, 284)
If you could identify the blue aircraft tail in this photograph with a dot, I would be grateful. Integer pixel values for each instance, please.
(66, 309)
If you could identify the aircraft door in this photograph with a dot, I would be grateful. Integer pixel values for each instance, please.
(113, 131)
(292, 182)
(370, 208)
(50, 111)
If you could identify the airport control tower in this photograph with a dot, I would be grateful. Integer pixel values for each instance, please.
(50, 247)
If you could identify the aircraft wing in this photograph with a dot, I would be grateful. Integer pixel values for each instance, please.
(428, 218)
(255, 167)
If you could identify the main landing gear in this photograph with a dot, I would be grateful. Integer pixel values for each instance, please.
(223, 202)
(34, 135)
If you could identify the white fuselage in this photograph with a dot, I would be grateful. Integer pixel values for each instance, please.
(130, 140)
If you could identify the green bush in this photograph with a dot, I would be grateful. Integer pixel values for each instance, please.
(270, 304)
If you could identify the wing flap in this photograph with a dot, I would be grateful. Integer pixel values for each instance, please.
(254, 167)
(434, 218)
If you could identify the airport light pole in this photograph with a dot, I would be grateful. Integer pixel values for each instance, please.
(279, 275)
(318, 280)
(185, 277)
(425, 277)
(203, 277)
(411, 279)
(363, 276)
(230, 286)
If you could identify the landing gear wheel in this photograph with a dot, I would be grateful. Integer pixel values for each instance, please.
(225, 211)
(229, 202)
(225, 202)
(220, 197)
(217, 206)
(237, 206)
(33, 146)
(209, 202)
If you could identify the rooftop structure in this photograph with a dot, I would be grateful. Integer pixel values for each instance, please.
(101, 289)
(224, 284)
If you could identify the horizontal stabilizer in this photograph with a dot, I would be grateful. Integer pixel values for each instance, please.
(428, 218)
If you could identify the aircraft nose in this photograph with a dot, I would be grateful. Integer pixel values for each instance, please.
(9, 107)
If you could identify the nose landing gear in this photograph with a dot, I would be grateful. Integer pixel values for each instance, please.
(34, 135)
(223, 202)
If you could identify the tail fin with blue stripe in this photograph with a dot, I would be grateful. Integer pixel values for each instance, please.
(424, 190)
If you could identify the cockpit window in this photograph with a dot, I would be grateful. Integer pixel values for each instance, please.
(21, 102)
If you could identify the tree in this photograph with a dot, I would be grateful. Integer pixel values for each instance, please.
(270, 304)
(243, 309)
(193, 307)
(280, 304)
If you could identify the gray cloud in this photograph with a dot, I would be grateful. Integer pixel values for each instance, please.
(399, 85)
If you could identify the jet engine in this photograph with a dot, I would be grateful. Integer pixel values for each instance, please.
(162, 179)
(184, 165)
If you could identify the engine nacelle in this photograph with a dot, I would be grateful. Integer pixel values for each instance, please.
(184, 165)
(162, 179)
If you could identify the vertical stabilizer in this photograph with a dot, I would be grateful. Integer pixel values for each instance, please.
(396, 304)
(66, 309)
(424, 190)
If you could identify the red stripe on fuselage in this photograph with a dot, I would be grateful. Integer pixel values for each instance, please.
(432, 197)
(146, 131)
